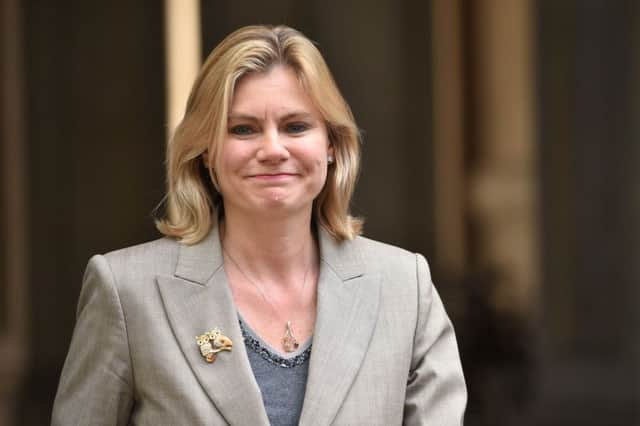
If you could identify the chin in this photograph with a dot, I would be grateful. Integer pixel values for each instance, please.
(271, 206)
(276, 206)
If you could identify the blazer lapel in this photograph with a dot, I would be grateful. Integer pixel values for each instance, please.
(348, 302)
(196, 299)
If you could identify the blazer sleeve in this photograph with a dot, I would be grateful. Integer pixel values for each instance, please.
(96, 385)
(436, 391)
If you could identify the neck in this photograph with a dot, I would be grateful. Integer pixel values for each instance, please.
(274, 250)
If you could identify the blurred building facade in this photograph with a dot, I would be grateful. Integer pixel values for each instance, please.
(501, 139)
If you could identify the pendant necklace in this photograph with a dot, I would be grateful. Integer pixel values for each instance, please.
(289, 341)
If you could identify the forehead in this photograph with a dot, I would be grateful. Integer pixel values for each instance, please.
(274, 91)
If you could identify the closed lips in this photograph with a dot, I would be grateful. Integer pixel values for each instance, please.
(272, 175)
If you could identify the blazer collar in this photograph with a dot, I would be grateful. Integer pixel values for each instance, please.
(347, 310)
(197, 298)
(198, 262)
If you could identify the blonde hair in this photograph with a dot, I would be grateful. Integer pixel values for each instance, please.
(193, 204)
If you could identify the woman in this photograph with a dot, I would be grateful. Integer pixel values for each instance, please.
(261, 304)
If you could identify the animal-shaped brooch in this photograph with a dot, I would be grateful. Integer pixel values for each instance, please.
(212, 342)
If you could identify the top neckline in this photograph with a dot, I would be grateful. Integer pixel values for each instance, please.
(258, 345)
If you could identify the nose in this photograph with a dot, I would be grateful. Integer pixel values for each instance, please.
(272, 148)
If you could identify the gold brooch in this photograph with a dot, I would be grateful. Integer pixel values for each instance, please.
(212, 342)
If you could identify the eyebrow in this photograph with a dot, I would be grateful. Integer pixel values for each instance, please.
(288, 116)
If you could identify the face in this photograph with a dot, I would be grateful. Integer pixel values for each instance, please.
(274, 157)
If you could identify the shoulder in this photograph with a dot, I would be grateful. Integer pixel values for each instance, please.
(142, 260)
(368, 245)
(148, 251)
(388, 258)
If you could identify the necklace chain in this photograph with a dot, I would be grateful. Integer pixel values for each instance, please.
(289, 340)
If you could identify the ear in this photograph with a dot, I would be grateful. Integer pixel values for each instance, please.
(330, 150)
(205, 158)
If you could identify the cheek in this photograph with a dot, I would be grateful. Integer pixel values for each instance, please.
(226, 174)
(321, 170)
(318, 165)
(232, 159)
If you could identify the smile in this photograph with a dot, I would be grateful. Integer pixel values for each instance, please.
(271, 177)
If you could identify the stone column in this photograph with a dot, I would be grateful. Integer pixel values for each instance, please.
(182, 55)
(503, 175)
(448, 138)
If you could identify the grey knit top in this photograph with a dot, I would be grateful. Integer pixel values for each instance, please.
(282, 378)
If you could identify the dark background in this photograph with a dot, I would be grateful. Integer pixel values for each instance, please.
(92, 104)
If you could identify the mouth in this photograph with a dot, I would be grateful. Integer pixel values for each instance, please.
(273, 176)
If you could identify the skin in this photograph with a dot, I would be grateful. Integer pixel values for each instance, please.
(273, 165)
(274, 159)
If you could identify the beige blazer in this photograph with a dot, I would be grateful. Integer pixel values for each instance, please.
(384, 351)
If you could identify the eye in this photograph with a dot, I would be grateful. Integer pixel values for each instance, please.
(297, 127)
(242, 130)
